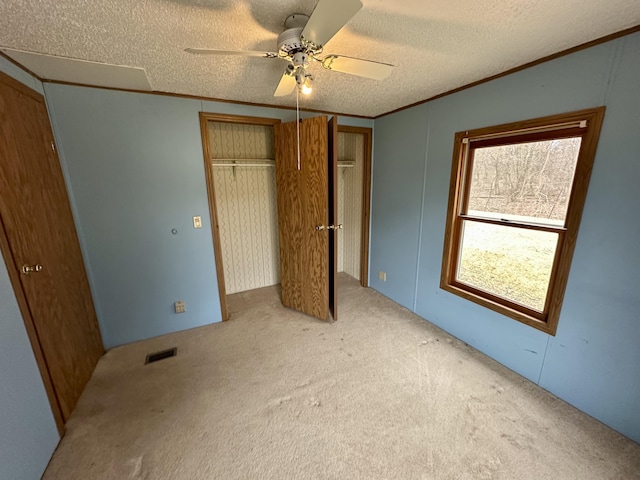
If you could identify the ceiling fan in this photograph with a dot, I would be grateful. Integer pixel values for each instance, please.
(302, 42)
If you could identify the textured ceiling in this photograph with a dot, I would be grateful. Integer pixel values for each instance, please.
(435, 45)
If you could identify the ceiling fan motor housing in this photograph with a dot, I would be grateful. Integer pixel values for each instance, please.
(289, 42)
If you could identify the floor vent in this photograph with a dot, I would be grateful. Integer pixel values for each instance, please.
(154, 357)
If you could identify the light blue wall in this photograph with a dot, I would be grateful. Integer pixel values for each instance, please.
(134, 166)
(28, 433)
(396, 211)
(135, 171)
(593, 360)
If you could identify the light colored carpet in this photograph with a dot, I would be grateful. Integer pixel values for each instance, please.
(273, 394)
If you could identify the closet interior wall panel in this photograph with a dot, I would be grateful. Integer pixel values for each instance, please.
(350, 151)
(246, 204)
(341, 219)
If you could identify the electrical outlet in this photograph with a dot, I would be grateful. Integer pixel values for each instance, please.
(197, 221)
(382, 276)
(179, 306)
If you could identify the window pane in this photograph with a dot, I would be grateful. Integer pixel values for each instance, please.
(526, 181)
(509, 262)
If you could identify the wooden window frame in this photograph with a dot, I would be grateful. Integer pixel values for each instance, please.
(583, 123)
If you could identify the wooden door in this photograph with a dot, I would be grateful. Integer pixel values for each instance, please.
(303, 215)
(39, 234)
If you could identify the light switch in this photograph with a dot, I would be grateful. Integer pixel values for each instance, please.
(382, 276)
(197, 221)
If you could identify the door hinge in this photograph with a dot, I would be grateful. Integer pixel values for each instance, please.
(53, 147)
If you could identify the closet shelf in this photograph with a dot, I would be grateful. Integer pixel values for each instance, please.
(260, 162)
(243, 162)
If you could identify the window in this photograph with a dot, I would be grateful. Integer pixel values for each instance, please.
(515, 203)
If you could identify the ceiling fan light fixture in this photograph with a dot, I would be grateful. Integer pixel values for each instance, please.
(307, 86)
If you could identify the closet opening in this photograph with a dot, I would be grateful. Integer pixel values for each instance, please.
(241, 183)
(354, 197)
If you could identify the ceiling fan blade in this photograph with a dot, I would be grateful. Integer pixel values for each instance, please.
(356, 66)
(327, 18)
(243, 53)
(286, 85)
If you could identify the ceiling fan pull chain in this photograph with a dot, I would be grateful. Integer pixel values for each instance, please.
(298, 125)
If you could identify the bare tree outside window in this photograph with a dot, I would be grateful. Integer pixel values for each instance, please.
(530, 179)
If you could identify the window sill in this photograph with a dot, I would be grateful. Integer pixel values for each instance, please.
(541, 325)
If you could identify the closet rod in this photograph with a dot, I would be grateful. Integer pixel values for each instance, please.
(250, 160)
(259, 165)
(243, 164)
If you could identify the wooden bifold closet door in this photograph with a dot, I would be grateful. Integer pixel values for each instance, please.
(307, 263)
(41, 249)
